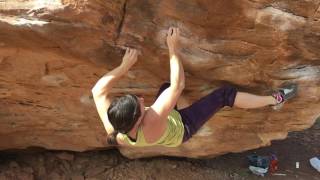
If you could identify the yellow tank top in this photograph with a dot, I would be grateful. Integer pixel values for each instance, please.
(172, 137)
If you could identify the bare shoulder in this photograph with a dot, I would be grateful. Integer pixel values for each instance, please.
(153, 126)
(120, 140)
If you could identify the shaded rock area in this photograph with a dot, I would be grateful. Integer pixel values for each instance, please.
(96, 165)
(52, 53)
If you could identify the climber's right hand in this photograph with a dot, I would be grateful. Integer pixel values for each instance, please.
(173, 36)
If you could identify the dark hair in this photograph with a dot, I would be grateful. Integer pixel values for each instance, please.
(123, 113)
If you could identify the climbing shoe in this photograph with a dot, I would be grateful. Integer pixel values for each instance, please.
(284, 93)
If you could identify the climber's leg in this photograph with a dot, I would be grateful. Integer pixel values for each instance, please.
(277, 99)
(249, 101)
(199, 112)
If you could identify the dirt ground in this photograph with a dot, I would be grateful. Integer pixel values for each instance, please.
(40, 164)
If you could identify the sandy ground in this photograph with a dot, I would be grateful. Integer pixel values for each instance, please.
(40, 164)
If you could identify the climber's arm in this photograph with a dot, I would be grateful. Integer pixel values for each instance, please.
(169, 97)
(101, 90)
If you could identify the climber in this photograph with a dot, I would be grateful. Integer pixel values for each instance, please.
(128, 122)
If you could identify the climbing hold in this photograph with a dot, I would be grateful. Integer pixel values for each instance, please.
(54, 80)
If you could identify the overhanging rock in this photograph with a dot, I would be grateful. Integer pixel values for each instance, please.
(52, 53)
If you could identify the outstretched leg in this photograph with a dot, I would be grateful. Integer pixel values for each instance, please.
(199, 112)
(250, 101)
(277, 99)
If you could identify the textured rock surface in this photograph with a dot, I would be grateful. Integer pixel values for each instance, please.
(52, 53)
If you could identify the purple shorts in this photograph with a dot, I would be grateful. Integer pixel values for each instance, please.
(194, 116)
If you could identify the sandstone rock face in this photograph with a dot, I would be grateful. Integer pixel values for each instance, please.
(52, 53)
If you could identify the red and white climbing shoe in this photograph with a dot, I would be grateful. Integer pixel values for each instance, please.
(283, 94)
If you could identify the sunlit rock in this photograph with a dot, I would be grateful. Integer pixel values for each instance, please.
(53, 52)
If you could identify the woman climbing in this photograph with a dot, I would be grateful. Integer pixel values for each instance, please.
(128, 122)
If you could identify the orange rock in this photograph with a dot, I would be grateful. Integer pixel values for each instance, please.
(51, 56)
